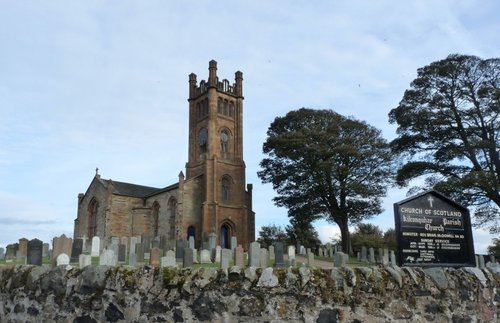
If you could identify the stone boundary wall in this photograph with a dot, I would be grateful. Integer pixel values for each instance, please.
(347, 294)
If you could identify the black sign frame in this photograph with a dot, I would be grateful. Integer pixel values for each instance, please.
(433, 231)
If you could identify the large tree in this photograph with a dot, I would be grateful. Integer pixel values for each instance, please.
(325, 165)
(448, 132)
(269, 234)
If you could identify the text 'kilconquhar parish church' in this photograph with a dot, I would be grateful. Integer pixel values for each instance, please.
(211, 200)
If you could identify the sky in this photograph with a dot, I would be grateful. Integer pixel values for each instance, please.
(86, 84)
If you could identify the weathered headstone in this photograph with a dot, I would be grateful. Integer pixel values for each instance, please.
(371, 255)
(122, 252)
(339, 259)
(205, 257)
(155, 243)
(392, 256)
(115, 240)
(195, 256)
(45, 250)
(278, 251)
(481, 262)
(234, 242)
(155, 257)
(62, 259)
(291, 253)
(133, 242)
(191, 242)
(2, 253)
(76, 250)
(310, 259)
(10, 253)
(132, 259)
(211, 241)
(385, 257)
(179, 250)
(217, 254)
(238, 256)
(254, 254)
(169, 259)
(139, 251)
(85, 246)
(188, 258)
(20, 258)
(84, 260)
(225, 258)
(363, 254)
(23, 247)
(146, 243)
(271, 252)
(108, 258)
(264, 257)
(96, 247)
(126, 242)
(34, 256)
(303, 250)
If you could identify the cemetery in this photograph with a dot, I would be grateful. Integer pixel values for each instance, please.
(140, 279)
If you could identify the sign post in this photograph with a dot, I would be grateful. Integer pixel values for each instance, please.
(432, 230)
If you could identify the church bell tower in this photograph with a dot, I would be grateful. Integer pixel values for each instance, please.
(216, 159)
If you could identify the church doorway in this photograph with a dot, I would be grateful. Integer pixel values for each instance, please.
(224, 237)
(191, 232)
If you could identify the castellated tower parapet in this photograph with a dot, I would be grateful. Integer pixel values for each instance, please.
(235, 89)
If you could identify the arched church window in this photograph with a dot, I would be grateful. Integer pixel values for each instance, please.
(224, 141)
(225, 188)
(156, 218)
(92, 218)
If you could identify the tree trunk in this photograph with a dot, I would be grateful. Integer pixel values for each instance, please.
(345, 236)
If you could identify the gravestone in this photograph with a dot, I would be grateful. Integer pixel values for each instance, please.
(271, 252)
(278, 251)
(363, 254)
(146, 243)
(155, 243)
(303, 250)
(188, 258)
(238, 256)
(108, 258)
(23, 247)
(155, 257)
(45, 250)
(62, 244)
(133, 242)
(217, 254)
(385, 257)
(2, 254)
(205, 257)
(139, 251)
(264, 257)
(115, 245)
(481, 262)
(132, 259)
(84, 260)
(371, 255)
(85, 247)
(179, 250)
(11, 251)
(96, 247)
(62, 259)
(291, 253)
(115, 240)
(310, 259)
(125, 241)
(254, 255)
(20, 258)
(122, 252)
(76, 250)
(234, 242)
(225, 258)
(392, 256)
(339, 259)
(191, 242)
(195, 256)
(169, 259)
(34, 256)
(211, 241)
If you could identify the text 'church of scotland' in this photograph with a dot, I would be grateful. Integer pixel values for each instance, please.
(211, 200)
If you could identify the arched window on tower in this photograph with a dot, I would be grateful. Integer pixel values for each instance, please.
(92, 218)
(156, 218)
(225, 188)
(225, 236)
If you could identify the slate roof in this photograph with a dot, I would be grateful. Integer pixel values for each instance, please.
(127, 189)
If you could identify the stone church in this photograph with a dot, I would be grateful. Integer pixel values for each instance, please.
(211, 201)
